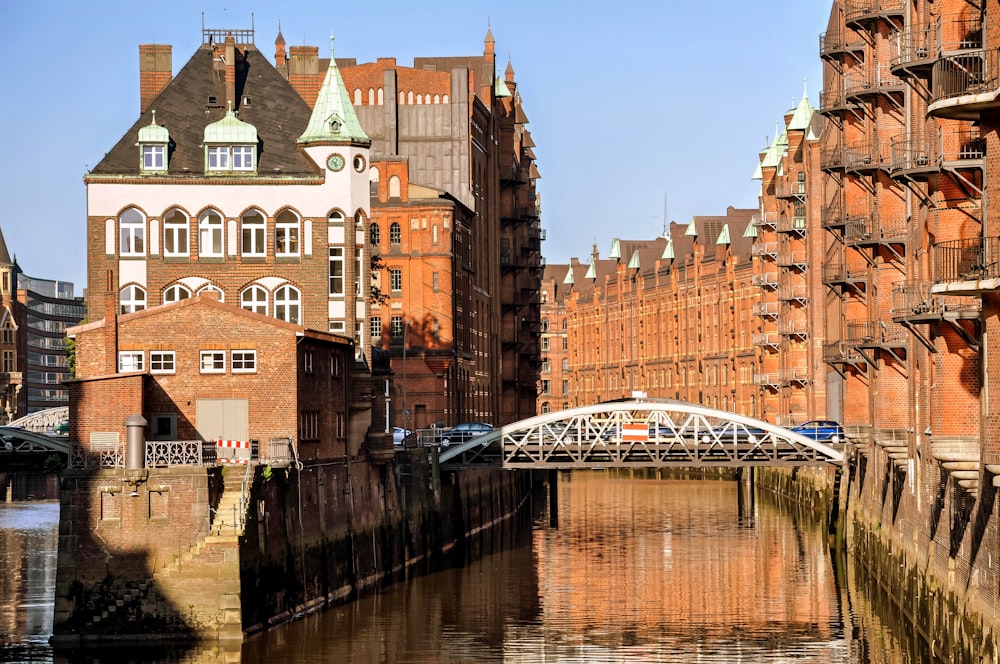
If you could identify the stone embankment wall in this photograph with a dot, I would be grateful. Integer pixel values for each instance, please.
(194, 555)
(935, 559)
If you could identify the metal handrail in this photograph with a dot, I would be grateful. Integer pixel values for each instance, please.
(969, 259)
(967, 73)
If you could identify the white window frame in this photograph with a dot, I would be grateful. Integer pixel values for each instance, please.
(336, 282)
(217, 158)
(211, 230)
(176, 293)
(256, 303)
(132, 233)
(130, 361)
(287, 235)
(253, 235)
(212, 361)
(395, 280)
(131, 299)
(154, 157)
(243, 158)
(243, 361)
(375, 323)
(288, 309)
(308, 365)
(175, 234)
(162, 362)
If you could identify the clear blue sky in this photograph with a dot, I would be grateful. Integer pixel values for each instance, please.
(628, 101)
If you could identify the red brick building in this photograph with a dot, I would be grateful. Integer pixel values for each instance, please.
(452, 127)
(200, 369)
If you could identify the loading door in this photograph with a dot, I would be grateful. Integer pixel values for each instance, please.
(227, 419)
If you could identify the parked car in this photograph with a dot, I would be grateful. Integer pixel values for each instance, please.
(463, 432)
(399, 434)
(822, 431)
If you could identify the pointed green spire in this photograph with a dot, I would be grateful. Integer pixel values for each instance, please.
(333, 118)
(569, 276)
(591, 272)
(668, 251)
(633, 262)
(802, 118)
(692, 230)
(616, 249)
(724, 235)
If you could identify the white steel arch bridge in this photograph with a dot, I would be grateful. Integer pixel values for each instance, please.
(640, 433)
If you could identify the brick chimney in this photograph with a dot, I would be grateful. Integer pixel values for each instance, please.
(303, 72)
(231, 72)
(155, 72)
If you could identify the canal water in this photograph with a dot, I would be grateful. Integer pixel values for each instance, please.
(627, 569)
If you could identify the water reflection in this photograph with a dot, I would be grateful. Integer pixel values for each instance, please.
(638, 570)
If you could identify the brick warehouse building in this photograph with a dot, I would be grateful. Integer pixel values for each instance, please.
(457, 129)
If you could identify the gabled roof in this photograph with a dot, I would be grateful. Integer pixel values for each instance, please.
(4, 254)
(185, 109)
(802, 118)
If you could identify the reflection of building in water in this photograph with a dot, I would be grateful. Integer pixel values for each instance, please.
(26, 612)
(658, 554)
(34, 315)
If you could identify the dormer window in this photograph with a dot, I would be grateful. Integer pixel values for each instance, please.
(230, 146)
(154, 141)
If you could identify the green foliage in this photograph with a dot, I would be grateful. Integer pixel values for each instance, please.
(376, 296)
(267, 473)
(53, 464)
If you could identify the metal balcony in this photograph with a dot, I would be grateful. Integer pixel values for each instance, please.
(839, 352)
(766, 280)
(792, 259)
(832, 158)
(845, 273)
(965, 85)
(951, 149)
(864, 13)
(913, 302)
(764, 219)
(794, 293)
(764, 249)
(794, 375)
(793, 328)
(969, 266)
(832, 216)
(860, 85)
(833, 45)
(913, 52)
(767, 340)
(833, 102)
(766, 309)
(794, 224)
(874, 229)
(862, 157)
(875, 334)
(767, 379)
(790, 190)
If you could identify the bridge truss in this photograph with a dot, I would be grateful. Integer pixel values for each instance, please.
(641, 433)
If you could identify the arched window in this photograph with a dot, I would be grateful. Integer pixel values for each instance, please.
(254, 299)
(286, 234)
(131, 299)
(374, 234)
(394, 186)
(336, 217)
(371, 96)
(132, 233)
(287, 305)
(545, 325)
(175, 233)
(380, 96)
(213, 289)
(176, 293)
(252, 235)
(210, 234)
(357, 96)
(395, 233)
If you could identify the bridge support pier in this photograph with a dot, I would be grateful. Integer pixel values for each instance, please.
(745, 497)
(553, 479)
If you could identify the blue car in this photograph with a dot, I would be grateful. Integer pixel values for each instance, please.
(822, 431)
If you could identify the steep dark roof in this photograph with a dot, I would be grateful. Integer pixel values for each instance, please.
(276, 110)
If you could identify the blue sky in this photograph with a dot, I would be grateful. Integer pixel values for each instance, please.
(629, 102)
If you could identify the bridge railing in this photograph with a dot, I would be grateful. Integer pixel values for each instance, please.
(275, 452)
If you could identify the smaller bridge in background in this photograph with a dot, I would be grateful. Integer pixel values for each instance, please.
(641, 433)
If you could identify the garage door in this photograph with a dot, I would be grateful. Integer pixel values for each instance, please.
(223, 418)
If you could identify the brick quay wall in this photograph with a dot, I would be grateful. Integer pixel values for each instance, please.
(170, 563)
(934, 561)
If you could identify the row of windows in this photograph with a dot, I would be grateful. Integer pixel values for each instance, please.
(209, 361)
(285, 303)
(218, 158)
(376, 97)
(547, 387)
(286, 231)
